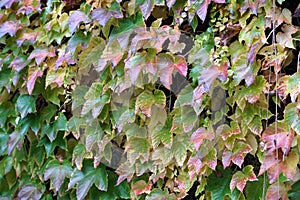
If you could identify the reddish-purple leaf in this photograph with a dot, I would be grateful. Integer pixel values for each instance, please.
(278, 137)
(202, 11)
(19, 63)
(237, 155)
(30, 6)
(146, 8)
(165, 66)
(181, 66)
(282, 188)
(15, 140)
(252, 52)
(239, 179)
(102, 15)
(75, 20)
(6, 3)
(40, 54)
(197, 137)
(195, 165)
(65, 58)
(277, 164)
(125, 172)
(29, 36)
(30, 192)
(31, 80)
(9, 27)
(170, 3)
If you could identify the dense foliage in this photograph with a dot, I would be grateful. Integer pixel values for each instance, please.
(149, 99)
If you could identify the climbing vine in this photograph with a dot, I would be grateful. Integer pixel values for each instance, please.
(149, 99)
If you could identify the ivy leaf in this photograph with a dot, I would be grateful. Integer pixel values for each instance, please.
(146, 100)
(25, 104)
(102, 15)
(285, 38)
(218, 185)
(78, 155)
(138, 148)
(6, 3)
(125, 172)
(88, 176)
(294, 193)
(146, 8)
(258, 186)
(252, 92)
(179, 148)
(162, 134)
(291, 116)
(241, 68)
(202, 10)
(278, 135)
(141, 187)
(197, 137)
(293, 87)
(9, 27)
(95, 100)
(40, 54)
(282, 188)
(57, 172)
(30, 192)
(75, 19)
(239, 179)
(274, 167)
(237, 154)
(91, 55)
(31, 80)
(6, 110)
(19, 63)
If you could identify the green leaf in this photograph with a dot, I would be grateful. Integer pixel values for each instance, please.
(6, 110)
(87, 177)
(218, 185)
(294, 193)
(95, 100)
(256, 186)
(78, 155)
(57, 172)
(25, 104)
(59, 141)
(179, 148)
(90, 55)
(239, 179)
(3, 141)
(291, 116)
(146, 100)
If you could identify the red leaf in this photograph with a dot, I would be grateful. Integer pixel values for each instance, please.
(31, 80)
(9, 27)
(252, 52)
(211, 73)
(75, 20)
(102, 15)
(141, 187)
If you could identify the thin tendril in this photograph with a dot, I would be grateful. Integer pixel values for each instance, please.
(276, 92)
